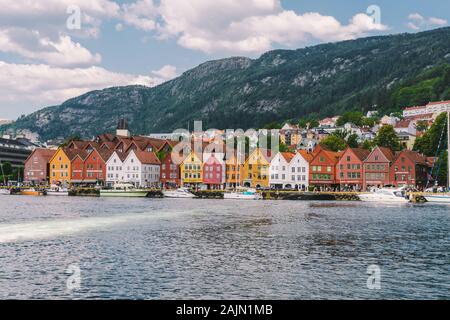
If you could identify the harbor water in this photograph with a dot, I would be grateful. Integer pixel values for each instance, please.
(94, 248)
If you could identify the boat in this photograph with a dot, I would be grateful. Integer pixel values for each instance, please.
(124, 190)
(438, 197)
(442, 197)
(249, 194)
(57, 191)
(385, 195)
(31, 192)
(181, 193)
(5, 191)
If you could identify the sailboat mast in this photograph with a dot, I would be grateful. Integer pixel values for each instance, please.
(448, 149)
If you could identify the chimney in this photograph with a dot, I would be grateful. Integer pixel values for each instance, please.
(122, 128)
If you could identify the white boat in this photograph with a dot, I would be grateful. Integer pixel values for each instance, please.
(385, 195)
(124, 190)
(57, 191)
(179, 193)
(5, 192)
(437, 197)
(250, 194)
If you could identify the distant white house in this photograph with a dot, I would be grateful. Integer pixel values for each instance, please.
(388, 120)
(406, 126)
(289, 171)
(142, 169)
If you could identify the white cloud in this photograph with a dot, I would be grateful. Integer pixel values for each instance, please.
(418, 22)
(167, 72)
(140, 14)
(251, 26)
(30, 44)
(416, 17)
(41, 84)
(437, 21)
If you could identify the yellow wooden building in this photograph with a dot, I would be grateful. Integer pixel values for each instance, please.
(191, 170)
(60, 168)
(234, 172)
(256, 169)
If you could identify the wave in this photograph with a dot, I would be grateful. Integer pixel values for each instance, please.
(41, 230)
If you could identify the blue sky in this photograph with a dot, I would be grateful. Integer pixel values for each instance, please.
(44, 61)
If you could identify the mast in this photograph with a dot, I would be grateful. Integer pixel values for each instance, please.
(448, 149)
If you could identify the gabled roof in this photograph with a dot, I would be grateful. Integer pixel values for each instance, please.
(77, 144)
(306, 155)
(288, 156)
(362, 154)
(44, 153)
(403, 124)
(146, 157)
(73, 153)
(388, 153)
(109, 144)
(414, 156)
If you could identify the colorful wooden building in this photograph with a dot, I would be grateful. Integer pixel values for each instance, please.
(410, 169)
(256, 169)
(377, 168)
(350, 168)
(191, 170)
(322, 168)
(170, 172)
(36, 170)
(214, 172)
(234, 172)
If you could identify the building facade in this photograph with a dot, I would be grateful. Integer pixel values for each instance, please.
(256, 169)
(36, 170)
(377, 168)
(323, 168)
(170, 172)
(191, 170)
(410, 169)
(214, 172)
(142, 169)
(350, 168)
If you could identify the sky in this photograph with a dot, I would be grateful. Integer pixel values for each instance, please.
(53, 50)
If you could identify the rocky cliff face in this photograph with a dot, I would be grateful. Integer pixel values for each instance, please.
(241, 93)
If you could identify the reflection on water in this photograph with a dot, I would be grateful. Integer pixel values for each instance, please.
(164, 249)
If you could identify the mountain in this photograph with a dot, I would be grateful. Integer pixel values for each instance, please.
(239, 92)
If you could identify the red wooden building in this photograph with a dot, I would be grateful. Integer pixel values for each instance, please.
(322, 168)
(377, 168)
(77, 165)
(410, 169)
(350, 168)
(170, 172)
(95, 166)
(214, 172)
(36, 169)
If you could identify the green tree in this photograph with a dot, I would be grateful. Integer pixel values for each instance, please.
(352, 140)
(422, 125)
(334, 143)
(368, 145)
(354, 117)
(387, 137)
(7, 168)
(429, 142)
(272, 125)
